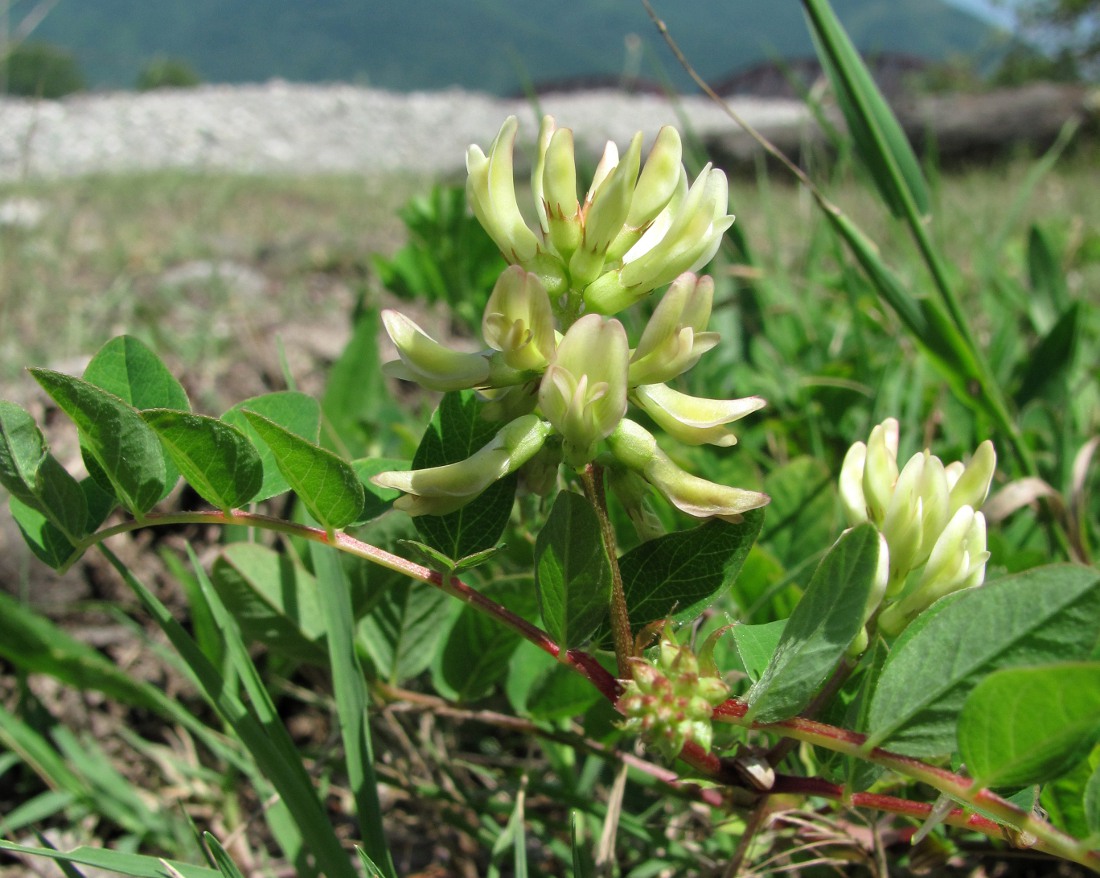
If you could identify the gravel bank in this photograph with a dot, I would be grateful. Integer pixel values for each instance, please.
(304, 129)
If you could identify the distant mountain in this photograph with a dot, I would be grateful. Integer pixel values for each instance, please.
(491, 45)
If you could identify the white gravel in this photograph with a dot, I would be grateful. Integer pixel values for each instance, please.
(301, 129)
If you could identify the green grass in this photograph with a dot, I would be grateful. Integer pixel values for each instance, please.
(94, 265)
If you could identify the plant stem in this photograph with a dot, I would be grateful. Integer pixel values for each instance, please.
(580, 661)
(620, 617)
(404, 699)
(962, 789)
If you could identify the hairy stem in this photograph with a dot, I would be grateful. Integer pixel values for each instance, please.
(961, 789)
(580, 661)
(620, 618)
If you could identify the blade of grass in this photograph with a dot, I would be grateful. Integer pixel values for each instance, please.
(135, 865)
(222, 859)
(352, 703)
(258, 725)
(887, 153)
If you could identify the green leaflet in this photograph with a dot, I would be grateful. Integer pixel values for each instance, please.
(215, 458)
(680, 574)
(1024, 726)
(1044, 615)
(325, 483)
(35, 478)
(402, 633)
(296, 412)
(475, 656)
(820, 629)
(121, 450)
(572, 571)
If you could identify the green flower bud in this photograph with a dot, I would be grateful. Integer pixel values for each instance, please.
(957, 561)
(880, 473)
(683, 237)
(554, 185)
(969, 485)
(490, 189)
(605, 210)
(675, 337)
(915, 515)
(518, 320)
(927, 515)
(583, 392)
(442, 489)
(427, 362)
(874, 597)
(658, 182)
(636, 449)
(850, 485)
(690, 419)
(692, 237)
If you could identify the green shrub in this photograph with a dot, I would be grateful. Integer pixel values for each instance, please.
(164, 72)
(43, 71)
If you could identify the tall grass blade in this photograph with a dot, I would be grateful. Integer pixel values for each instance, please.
(134, 865)
(257, 724)
(876, 134)
(352, 703)
(222, 859)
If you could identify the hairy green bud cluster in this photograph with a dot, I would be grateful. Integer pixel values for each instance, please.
(672, 701)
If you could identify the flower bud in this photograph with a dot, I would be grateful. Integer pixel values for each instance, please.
(690, 419)
(441, 489)
(427, 362)
(605, 210)
(851, 485)
(927, 514)
(518, 320)
(874, 597)
(915, 515)
(554, 184)
(658, 182)
(583, 392)
(490, 189)
(683, 237)
(659, 179)
(675, 337)
(880, 472)
(692, 237)
(636, 449)
(970, 486)
(957, 561)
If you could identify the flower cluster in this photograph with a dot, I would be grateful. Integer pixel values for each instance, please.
(672, 702)
(636, 229)
(927, 514)
(556, 367)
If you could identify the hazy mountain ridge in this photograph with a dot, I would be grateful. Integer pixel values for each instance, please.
(492, 45)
